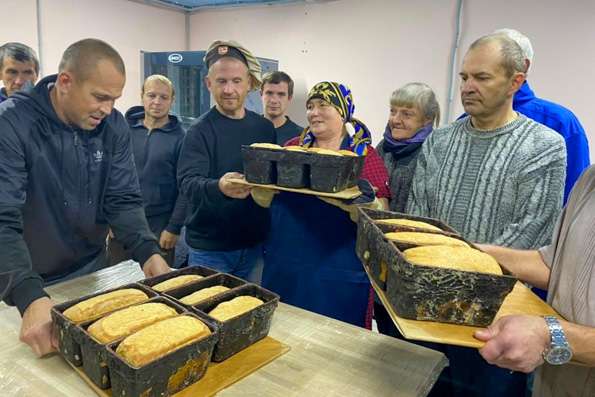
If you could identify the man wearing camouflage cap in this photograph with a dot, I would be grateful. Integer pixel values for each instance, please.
(225, 228)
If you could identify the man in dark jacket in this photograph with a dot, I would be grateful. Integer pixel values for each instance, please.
(225, 228)
(66, 173)
(156, 141)
(277, 93)
(19, 68)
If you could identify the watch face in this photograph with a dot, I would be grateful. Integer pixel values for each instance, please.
(559, 355)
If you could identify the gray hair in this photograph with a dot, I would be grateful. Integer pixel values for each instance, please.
(418, 95)
(522, 40)
(513, 59)
(20, 53)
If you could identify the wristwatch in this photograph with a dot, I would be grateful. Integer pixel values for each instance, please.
(559, 351)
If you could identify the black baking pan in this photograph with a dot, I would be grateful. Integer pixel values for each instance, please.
(167, 375)
(241, 331)
(260, 164)
(293, 169)
(94, 353)
(226, 280)
(332, 174)
(69, 333)
(199, 270)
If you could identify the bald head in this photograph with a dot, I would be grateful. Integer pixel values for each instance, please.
(81, 58)
(512, 58)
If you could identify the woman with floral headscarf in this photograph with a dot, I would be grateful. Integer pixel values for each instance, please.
(310, 258)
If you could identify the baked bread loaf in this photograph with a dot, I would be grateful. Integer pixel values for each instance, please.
(127, 321)
(453, 257)
(226, 310)
(203, 294)
(99, 305)
(295, 148)
(419, 238)
(324, 151)
(161, 338)
(265, 145)
(408, 222)
(347, 153)
(176, 282)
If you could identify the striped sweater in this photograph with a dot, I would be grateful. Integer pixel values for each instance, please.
(503, 186)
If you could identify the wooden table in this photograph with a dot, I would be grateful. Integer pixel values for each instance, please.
(327, 357)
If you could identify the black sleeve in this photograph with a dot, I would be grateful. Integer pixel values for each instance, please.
(123, 203)
(193, 171)
(15, 262)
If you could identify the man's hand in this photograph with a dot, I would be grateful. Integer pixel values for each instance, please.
(232, 189)
(515, 342)
(167, 240)
(155, 266)
(36, 327)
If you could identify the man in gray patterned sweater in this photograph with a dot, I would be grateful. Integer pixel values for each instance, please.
(496, 177)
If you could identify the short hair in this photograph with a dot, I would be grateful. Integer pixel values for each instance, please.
(82, 57)
(20, 53)
(522, 40)
(418, 95)
(161, 79)
(513, 59)
(277, 77)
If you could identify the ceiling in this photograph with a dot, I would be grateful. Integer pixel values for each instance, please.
(196, 5)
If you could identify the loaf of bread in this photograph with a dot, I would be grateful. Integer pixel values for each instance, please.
(203, 294)
(453, 257)
(294, 148)
(319, 150)
(161, 338)
(266, 146)
(127, 321)
(419, 238)
(176, 282)
(242, 304)
(99, 305)
(408, 222)
(347, 153)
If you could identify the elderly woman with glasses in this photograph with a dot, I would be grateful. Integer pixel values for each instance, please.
(310, 258)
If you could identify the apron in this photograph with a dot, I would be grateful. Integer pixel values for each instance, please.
(310, 258)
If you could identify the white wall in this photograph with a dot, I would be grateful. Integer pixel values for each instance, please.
(127, 26)
(375, 46)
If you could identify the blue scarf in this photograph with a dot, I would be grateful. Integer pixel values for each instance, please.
(391, 144)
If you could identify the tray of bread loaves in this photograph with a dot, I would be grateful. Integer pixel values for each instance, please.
(174, 333)
(331, 173)
(436, 286)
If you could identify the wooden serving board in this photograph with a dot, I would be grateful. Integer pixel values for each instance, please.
(521, 300)
(346, 194)
(221, 375)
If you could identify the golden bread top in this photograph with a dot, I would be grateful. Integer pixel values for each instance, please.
(126, 321)
(242, 304)
(99, 305)
(203, 294)
(408, 222)
(319, 150)
(161, 338)
(419, 238)
(266, 146)
(295, 148)
(176, 282)
(348, 153)
(453, 257)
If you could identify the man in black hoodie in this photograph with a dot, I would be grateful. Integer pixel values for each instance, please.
(156, 141)
(66, 173)
(225, 228)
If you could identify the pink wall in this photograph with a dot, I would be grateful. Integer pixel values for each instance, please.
(376, 46)
(128, 26)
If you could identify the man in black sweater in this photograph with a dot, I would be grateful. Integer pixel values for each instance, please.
(277, 93)
(225, 227)
(66, 174)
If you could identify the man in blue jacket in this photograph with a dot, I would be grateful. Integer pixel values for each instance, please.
(557, 117)
(19, 68)
(66, 173)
